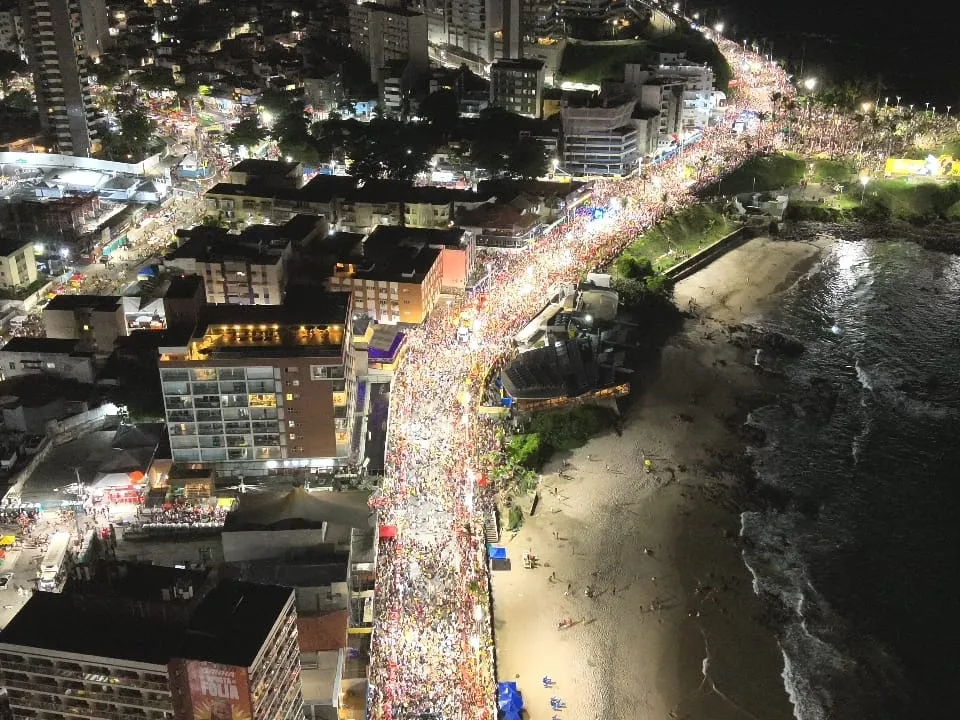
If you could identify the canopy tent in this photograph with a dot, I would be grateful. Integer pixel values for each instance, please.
(497, 553)
(509, 700)
(388, 532)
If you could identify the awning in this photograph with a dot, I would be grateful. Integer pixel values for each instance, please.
(497, 553)
(388, 532)
(7, 540)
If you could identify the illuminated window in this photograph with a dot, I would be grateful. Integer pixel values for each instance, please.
(293, 436)
(289, 396)
(262, 400)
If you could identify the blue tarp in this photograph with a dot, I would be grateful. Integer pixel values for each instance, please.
(508, 699)
(498, 553)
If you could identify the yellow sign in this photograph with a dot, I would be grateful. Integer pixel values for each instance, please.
(943, 166)
(7, 540)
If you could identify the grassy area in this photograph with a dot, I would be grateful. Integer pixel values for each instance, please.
(593, 63)
(681, 235)
(831, 171)
(761, 174)
(585, 63)
(915, 202)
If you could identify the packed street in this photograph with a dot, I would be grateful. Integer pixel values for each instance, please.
(433, 652)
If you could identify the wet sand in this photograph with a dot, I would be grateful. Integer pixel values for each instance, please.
(673, 629)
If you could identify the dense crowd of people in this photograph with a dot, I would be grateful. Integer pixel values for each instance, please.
(432, 651)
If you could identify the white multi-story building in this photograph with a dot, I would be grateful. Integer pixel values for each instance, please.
(599, 140)
(56, 51)
(383, 34)
(700, 104)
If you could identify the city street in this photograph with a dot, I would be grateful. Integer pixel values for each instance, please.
(433, 649)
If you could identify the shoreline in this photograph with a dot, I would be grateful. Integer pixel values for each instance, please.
(659, 550)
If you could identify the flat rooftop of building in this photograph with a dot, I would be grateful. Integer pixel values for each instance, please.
(256, 166)
(322, 188)
(260, 245)
(231, 623)
(332, 311)
(8, 246)
(397, 235)
(227, 625)
(518, 64)
(57, 346)
(96, 303)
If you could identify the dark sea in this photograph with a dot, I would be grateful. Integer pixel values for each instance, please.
(863, 552)
(896, 49)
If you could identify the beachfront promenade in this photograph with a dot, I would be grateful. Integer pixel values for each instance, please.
(432, 651)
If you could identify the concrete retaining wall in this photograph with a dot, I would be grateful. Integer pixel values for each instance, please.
(706, 256)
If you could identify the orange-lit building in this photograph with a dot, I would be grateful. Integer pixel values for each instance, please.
(261, 388)
(391, 279)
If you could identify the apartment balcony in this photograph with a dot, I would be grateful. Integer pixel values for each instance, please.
(79, 697)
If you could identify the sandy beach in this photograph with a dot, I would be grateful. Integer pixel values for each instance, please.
(673, 629)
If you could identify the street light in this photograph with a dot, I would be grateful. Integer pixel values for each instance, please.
(898, 101)
(866, 107)
(864, 181)
(810, 83)
(718, 28)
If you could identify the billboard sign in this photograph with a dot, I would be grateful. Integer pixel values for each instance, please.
(208, 691)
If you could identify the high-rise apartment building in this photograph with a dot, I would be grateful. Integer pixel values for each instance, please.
(96, 27)
(383, 34)
(56, 52)
(263, 388)
(179, 647)
(517, 86)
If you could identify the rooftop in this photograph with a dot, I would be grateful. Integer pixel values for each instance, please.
(227, 625)
(38, 345)
(270, 330)
(9, 246)
(258, 244)
(518, 64)
(398, 235)
(94, 303)
(255, 166)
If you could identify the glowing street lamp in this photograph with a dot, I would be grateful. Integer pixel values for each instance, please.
(38, 248)
(810, 83)
(696, 16)
(898, 101)
(864, 181)
(866, 107)
(718, 28)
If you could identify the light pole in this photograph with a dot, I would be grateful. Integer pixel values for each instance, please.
(864, 181)
(898, 101)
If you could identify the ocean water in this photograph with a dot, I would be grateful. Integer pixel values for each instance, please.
(863, 553)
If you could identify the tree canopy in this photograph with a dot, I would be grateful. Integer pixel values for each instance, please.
(133, 140)
(381, 149)
(247, 132)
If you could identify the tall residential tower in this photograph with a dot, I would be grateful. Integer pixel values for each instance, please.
(56, 52)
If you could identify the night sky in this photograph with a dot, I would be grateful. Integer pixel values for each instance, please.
(913, 49)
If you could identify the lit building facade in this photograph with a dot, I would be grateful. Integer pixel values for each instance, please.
(384, 34)
(262, 391)
(517, 86)
(56, 51)
(600, 140)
